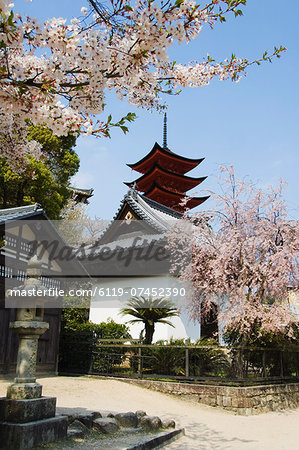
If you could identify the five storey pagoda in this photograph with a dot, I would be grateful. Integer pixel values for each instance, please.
(164, 178)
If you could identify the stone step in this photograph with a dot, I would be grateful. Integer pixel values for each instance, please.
(22, 436)
(28, 410)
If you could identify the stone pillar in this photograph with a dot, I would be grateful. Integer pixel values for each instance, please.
(27, 355)
(25, 385)
(26, 418)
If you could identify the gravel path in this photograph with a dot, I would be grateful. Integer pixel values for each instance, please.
(206, 428)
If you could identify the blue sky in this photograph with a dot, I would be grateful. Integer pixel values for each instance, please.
(252, 125)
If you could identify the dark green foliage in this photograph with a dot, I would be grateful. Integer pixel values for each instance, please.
(150, 311)
(73, 319)
(80, 349)
(265, 354)
(44, 181)
(210, 360)
(162, 359)
(58, 152)
(167, 358)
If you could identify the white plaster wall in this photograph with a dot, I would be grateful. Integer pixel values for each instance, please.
(105, 306)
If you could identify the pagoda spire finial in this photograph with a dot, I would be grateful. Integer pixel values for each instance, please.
(165, 132)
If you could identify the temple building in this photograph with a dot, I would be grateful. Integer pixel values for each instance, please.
(155, 201)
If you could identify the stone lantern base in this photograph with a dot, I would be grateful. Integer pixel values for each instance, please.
(25, 423)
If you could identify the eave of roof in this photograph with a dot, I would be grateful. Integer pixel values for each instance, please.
(168, 153)
(184, 179)
(20, 212)
(163, 208)
(144, 212)
(25, 212)
(156, 188)
(155, 214)
(87, 192)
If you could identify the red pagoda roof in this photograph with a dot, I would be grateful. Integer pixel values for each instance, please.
(165, 158)
(173, 199)
(165, 178)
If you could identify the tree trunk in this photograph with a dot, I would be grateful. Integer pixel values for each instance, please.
(149, 332)
(4, 198)
(20, 194)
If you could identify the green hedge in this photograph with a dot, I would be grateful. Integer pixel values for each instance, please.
(80, 350)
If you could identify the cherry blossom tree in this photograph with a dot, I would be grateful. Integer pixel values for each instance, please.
(77, 228)
(244, 258)
(57, 74)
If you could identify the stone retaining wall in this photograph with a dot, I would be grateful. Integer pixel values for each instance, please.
(241, 400)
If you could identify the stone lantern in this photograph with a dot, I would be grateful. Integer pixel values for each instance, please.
(26, 418)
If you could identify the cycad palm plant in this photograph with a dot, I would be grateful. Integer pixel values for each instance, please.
(150, 311)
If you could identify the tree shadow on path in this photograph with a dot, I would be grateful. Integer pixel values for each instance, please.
(200, 436)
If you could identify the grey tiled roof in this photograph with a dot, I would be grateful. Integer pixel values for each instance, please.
(20, 212)
(158, 216)
(81, 191)
(162, 208)
(154, 213)
(145, 239)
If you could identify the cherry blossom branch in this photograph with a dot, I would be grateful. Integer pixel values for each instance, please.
(123, 49)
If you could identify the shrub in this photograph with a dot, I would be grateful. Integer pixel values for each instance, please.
(210, 360)
(266, 354)
(80, 349)
(166, 358)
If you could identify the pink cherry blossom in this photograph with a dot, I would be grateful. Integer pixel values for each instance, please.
(57, 73)
(244, 257)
